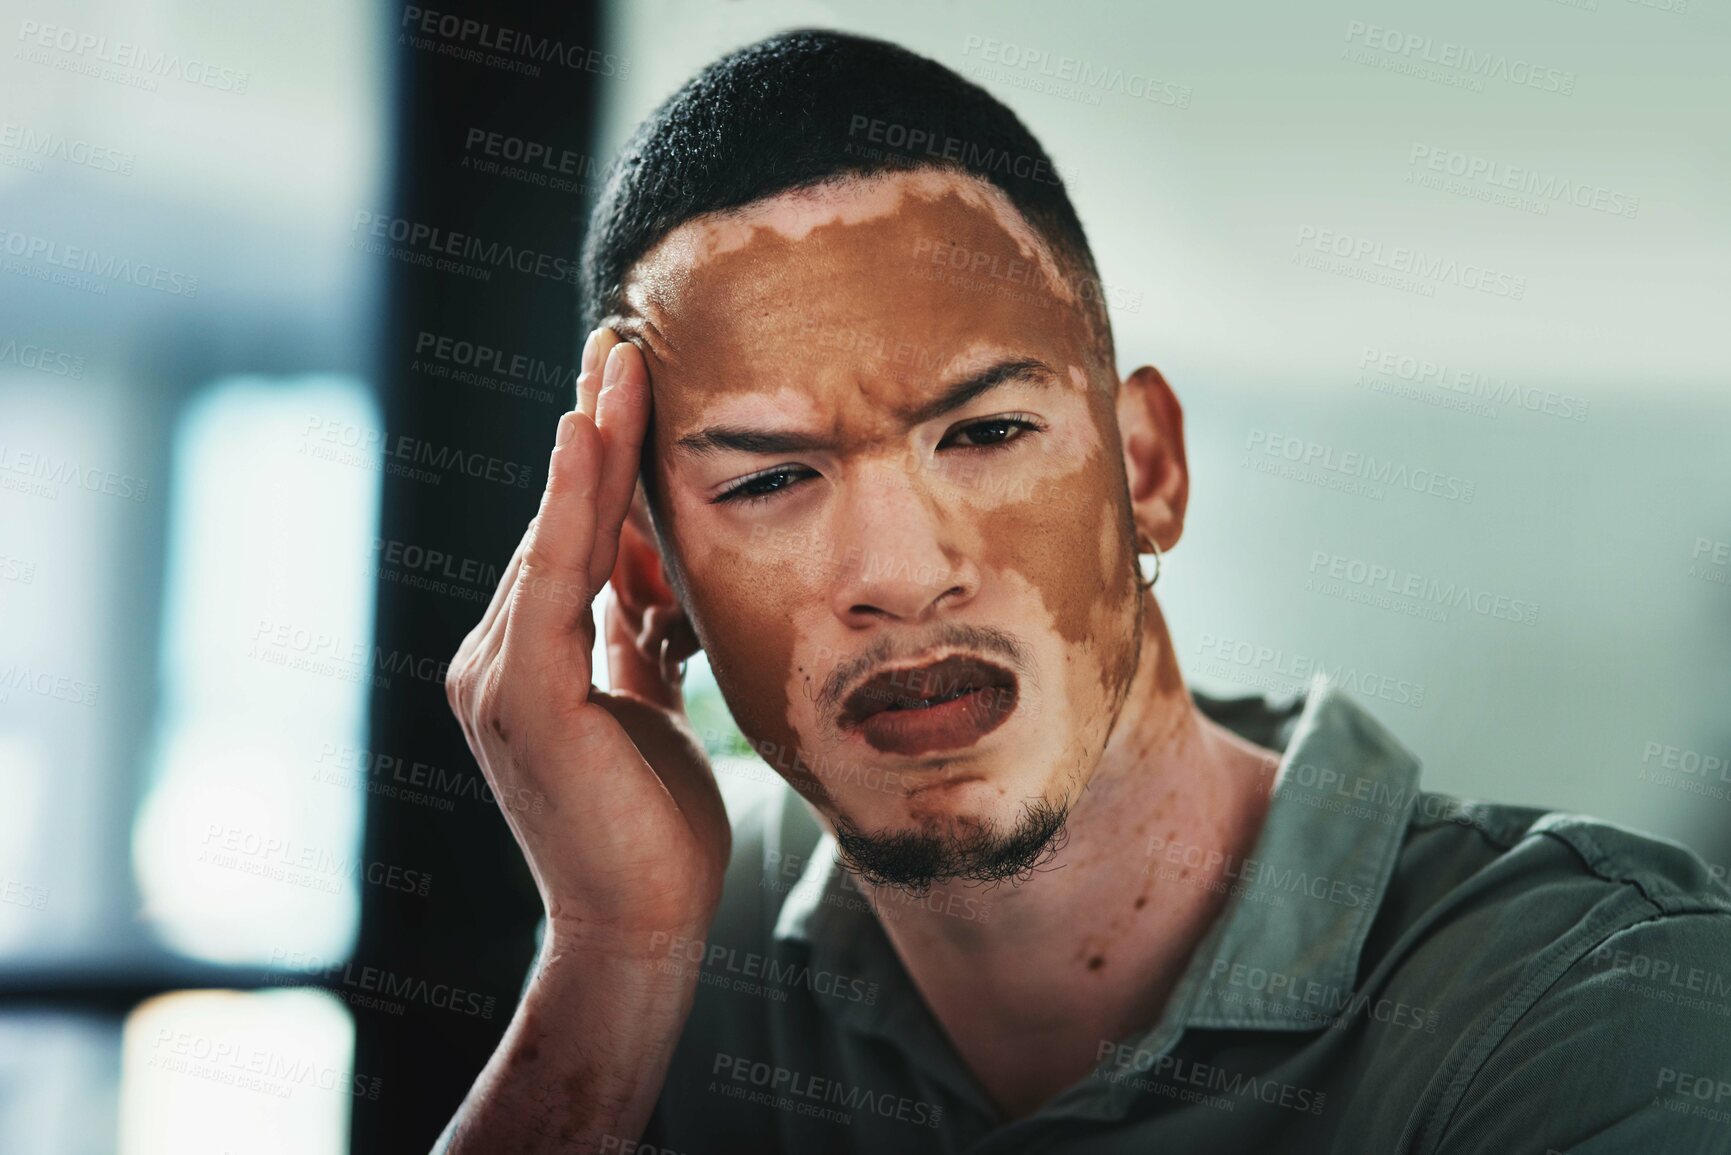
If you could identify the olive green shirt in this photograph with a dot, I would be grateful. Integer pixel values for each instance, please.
(1394, 971)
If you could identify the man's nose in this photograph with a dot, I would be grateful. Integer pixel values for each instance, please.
(900, 555)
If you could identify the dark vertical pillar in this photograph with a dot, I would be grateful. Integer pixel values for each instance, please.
(494, 119)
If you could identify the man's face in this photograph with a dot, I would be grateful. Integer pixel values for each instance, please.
(890, 472)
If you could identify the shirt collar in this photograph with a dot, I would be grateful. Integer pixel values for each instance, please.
(1284, 951)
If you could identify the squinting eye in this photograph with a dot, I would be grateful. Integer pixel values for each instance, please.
(762, 486)
(992, 432)
(988, 435)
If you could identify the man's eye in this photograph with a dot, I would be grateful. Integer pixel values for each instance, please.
(761, 486)
(992, 432)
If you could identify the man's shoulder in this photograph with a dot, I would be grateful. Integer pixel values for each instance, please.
(1466, 851)
(1559, 957)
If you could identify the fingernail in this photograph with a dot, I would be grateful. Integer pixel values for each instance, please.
(567, 424)
(589, 350)
(615, 366)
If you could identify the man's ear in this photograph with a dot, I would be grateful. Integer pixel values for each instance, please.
(1151, 423)
(647, 628)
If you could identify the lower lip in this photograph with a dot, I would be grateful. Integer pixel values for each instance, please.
(947, 726)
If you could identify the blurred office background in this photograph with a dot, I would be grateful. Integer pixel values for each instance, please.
(262, 460)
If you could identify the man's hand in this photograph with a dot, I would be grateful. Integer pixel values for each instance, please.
(626, 846)
(631, 846)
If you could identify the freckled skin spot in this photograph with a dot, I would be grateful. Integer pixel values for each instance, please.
(1141, 901)
(1096, 963)
(836, 312)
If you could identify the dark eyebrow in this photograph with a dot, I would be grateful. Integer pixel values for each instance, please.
(717, 438)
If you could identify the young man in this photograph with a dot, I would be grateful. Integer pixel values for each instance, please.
(896, 490)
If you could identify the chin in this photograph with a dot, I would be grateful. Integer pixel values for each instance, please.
(967, 830)
(961, 801)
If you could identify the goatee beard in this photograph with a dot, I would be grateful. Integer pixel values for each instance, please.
(914, 860)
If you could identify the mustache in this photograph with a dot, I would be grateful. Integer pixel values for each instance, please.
(950, 636)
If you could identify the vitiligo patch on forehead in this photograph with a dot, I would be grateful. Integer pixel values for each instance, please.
(796, 214)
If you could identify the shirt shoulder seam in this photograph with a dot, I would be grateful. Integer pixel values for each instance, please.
(1521, 1004)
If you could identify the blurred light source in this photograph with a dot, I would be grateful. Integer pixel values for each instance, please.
(243, 854)
(212, 1072)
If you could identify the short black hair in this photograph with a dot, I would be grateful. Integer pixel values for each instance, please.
(810, 107)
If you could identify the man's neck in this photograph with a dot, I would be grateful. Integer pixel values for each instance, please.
(1090, 948)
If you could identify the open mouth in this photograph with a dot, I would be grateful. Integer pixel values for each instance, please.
(941, 705)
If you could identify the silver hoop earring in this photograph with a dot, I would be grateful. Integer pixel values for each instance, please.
(673, 673)
(1148, 583)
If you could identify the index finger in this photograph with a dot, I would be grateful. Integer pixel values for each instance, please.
(555, 584)
(622, 415)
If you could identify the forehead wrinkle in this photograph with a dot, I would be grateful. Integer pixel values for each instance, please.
(891, 415)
